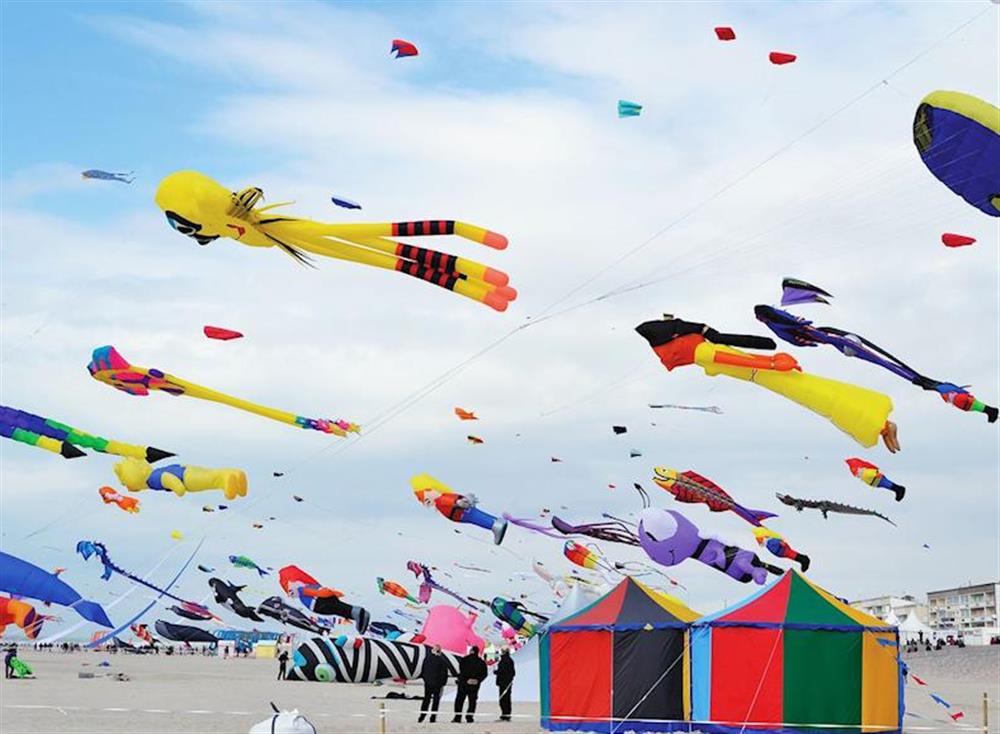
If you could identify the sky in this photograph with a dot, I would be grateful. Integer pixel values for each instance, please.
(737, 173)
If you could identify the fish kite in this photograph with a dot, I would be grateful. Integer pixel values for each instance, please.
(957, 240)
(456, 507)
(345, 203)
(99, 175)
(828, 506)
(203, 209)
(217, 332)
(402, 48)
(873, 477)
(693, 488)
(703, 408)
(794, 291)
(61, 439)
(801, 332)
(244, 562)
(958, 138)
(861, 413)
(183, 633)
(227, 595)
(320, 599)
(428, 584)
(394, 589)
(628, 109)
(139, 475)
(778, 546)
(22, 579)
(669, 538)
(515, 614)
(196, 612)
(111, 497)
(275, 608)
(465, 415)
(94, 548)
(778, 58)
(725, 33)
(109, 367)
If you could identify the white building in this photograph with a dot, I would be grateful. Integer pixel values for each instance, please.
(901, 607)
(970, 611)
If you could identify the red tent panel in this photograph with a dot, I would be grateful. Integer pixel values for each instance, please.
(747, 680)
(580, 675)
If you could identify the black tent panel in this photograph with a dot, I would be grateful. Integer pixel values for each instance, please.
(648, 675)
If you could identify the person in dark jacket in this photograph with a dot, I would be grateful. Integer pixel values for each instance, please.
(434, 673)
(282, 665)
(505, 682)
(471, 672)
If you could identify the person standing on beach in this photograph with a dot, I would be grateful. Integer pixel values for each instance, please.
(8, 667)
(471, 672)
(505, 682)
(282, 664)
(434, 673)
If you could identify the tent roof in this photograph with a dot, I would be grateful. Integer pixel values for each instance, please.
(794, 602)
(912, 623)
(630, 605)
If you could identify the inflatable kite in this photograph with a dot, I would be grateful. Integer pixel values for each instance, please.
(22, 614)
(109, 367)
(958, 138)
(141, 631)
(94, 548)
(244, 562)
(22, 579)
(828, 506)
(515, 614)
(228, 595)
(801, 332)
(694, 488)
(139, 475)
(111, 497)
(585, 557)
(795, 291)
(183, 633)
(99, 175)
(452, 629)
(321, 659)
(861, 413)
(394, 589)
(204, 210)
(628, 109)
(345, 203)
(456, 507)
(613, 531)
(195, 612)
(873, 477)
(779, 547)
(428, 584)
(320, 599)
(465, 415)
(949, 239)
(402, 48)
(61, 439)
(779, 58)
(725, 33)
(220, 334)
(275, 608)
(669, 538)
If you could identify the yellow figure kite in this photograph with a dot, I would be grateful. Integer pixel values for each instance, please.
(138, 475)
(205, 210)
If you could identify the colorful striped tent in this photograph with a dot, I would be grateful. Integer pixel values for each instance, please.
(792, 657)
(619, 664)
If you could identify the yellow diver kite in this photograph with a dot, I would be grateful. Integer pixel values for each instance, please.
(138, 475)
(205, 210)
(861, 413)
(111, 368)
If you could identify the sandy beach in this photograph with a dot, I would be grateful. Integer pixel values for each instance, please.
(205, 694)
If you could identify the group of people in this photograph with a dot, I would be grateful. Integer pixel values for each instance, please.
(472, 671)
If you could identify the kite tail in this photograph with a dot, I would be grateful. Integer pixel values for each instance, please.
(93, 612)
(261, 571)
(531, 525)
(754, 517)
(968, 402)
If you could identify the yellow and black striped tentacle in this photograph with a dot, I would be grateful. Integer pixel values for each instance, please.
(432, 227)
(477, 290)
(442, 261)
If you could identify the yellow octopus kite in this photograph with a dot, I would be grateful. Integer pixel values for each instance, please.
(205, 210)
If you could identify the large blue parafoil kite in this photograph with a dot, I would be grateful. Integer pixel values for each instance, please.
(958, 137)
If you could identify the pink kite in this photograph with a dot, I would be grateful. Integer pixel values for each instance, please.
(217, 332)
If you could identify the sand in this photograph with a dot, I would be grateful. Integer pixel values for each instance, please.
(205, 694)
(201, 694)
